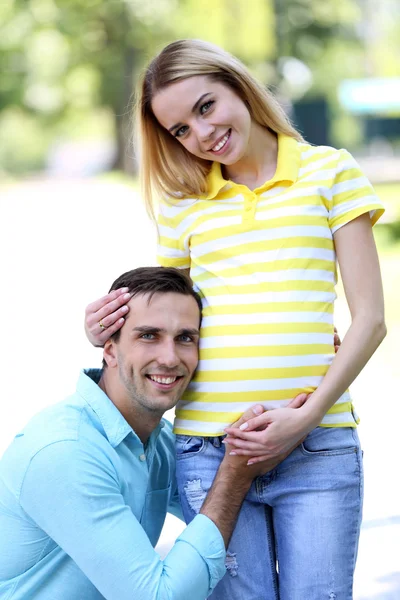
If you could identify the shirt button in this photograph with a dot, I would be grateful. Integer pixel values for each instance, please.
(248, 207)
(142, 457)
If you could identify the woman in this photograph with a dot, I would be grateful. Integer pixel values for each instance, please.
(258, 218)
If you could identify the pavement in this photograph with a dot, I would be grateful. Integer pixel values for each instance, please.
(62, 244)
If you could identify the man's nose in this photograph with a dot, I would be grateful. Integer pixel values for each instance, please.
(168, 356)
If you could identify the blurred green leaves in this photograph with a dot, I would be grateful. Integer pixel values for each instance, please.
(66, 64)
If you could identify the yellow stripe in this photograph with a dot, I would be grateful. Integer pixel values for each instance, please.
(262, 328)
(269, 286)
(177, 263)
(278, 265)
(254, 396)
(289, 350)
(265, 246)
(262, 374)
(340, 408)
(266, 307)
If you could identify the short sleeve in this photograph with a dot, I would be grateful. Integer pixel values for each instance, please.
(172, 248)
(352, 194)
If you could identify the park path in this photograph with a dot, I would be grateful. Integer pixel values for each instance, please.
(62, 243)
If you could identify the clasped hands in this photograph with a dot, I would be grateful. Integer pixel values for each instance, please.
(270, 433)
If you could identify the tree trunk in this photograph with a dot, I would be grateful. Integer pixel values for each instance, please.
(125, 159)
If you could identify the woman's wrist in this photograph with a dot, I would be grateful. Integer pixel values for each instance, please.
(312, 413)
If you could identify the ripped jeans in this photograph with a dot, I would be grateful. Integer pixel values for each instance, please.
(296, 537)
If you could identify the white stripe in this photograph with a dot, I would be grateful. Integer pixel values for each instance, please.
(269, 297)
(267, 317)
(232, 407)
(297, 192)
(213, 206)
(265, 362)
(166, 252)
(313, 210)
(278, 233)
(351, 184)
(345, 417)
(317, 150)
(242, 406)
(346, 207)
(274, 276)
(255, 385)
(265, 339)
(200, 427)
(323, 176)
(267, 257)
(317, 164)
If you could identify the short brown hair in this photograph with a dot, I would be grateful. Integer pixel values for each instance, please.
(155, 280)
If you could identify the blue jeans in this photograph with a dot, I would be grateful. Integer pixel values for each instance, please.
(296, 537)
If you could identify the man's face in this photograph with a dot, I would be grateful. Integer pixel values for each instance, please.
(157, 352)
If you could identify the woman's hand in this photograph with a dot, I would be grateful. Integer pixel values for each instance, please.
(248, 436)
(105, 316)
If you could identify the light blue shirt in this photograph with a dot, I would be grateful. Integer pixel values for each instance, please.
(82, 504)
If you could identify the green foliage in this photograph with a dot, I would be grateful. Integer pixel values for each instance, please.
(63, 61)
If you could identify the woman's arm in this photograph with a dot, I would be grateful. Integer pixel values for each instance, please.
(360, 272)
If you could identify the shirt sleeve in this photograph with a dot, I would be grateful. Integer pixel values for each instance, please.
(75, 497)
(173, 248)
(352, 194)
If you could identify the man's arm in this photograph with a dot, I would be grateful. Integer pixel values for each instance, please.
(76, 499)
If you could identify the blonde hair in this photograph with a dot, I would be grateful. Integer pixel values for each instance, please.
(167, 168)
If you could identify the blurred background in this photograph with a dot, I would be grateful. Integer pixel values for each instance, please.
(72, 219)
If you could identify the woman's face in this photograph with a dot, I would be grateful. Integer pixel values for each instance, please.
(206, 117)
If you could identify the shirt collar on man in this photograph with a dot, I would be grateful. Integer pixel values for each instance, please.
(287, 168)
(115, 426)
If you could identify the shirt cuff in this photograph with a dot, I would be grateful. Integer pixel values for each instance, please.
(204, 536)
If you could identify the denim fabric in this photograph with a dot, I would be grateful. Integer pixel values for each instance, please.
(301, 519)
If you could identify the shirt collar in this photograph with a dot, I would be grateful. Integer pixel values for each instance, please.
(215, 181)
(115, 426)
(287, 167)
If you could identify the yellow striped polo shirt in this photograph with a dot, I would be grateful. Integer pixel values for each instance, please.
(264, 263)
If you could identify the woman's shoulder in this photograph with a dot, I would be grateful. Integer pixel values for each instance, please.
(321, 155)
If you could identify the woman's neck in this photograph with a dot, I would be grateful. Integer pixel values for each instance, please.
(258, 165)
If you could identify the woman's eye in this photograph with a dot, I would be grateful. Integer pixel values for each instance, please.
(205, 107)
(181, 131)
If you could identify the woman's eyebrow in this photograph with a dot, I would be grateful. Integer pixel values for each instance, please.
(194, 108)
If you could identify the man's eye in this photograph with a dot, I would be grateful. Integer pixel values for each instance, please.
(205, 107)
(185, 338)
(181, 131)
(147, 336)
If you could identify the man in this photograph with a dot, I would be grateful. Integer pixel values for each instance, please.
(84, 489)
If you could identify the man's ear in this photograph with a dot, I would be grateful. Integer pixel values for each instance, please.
(110, 353)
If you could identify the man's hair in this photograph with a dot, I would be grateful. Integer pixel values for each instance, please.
(155, 280)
